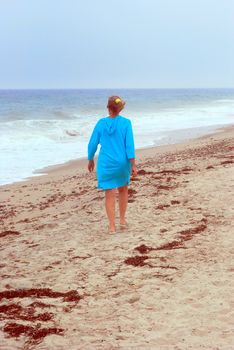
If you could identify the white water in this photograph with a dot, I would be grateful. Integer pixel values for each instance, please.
(30, 141)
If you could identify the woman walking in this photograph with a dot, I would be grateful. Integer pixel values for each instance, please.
(116, 159)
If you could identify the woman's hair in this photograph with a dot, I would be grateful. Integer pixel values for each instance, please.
(115, 103)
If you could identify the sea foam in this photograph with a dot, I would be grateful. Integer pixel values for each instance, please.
(46, 127)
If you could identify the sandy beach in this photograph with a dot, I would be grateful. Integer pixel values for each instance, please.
(166, 282)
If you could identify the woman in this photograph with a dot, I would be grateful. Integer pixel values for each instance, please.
(116, 158)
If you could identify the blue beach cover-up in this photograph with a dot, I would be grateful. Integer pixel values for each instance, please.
(115, 136)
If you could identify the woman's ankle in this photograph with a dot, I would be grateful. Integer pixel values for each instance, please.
(112, 226)
(122, 221)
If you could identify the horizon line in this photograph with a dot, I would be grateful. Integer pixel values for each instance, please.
(113, 88)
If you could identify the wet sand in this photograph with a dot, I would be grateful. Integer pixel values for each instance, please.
(165, 282)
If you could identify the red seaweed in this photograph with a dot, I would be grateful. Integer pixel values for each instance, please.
(14, 311)
(227, 162)
(9, 232)
(144, 172)
(175, 202)
(136, 260)
(131, 192)
(143, 249)
(171, 245)
(162, 206)
(35, 334)
(39, 292)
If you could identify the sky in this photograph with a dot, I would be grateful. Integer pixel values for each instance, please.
(116, 43)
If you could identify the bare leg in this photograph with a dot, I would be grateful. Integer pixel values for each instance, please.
(110, 208)
(123, 201)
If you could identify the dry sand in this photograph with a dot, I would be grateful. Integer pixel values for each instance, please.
(166, 282)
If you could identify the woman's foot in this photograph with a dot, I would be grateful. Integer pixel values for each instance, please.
(111, 229)
(122, 222)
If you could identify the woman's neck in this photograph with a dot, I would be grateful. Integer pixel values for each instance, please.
(113, 115)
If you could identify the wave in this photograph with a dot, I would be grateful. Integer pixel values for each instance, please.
(227, 100)
(41, 132)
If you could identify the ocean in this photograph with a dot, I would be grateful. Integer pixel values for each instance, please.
(39, 128)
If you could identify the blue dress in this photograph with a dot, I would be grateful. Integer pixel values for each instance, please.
(115, 136)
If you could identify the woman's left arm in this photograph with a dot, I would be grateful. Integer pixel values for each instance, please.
(129, 142)
(130, 148)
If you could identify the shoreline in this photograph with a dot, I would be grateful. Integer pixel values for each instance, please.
(81, 163)
(166, 281)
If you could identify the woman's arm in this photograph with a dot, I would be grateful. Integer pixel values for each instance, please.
(134, 169)
(130, 148)
(129, 142)
(93, 142)
(92, 146)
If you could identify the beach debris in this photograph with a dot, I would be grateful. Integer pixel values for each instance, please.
(131, 195)
(136, 260)
(184, 235)
(34, 333)
(72, 132)
(171, 245)
(145, 172)
(142, 260)
(162, 206)
(39, 293)
(13, 311)
(227, 162)
(163, 230)
(7, 211)
(143, 249)
(163, 188)
(8, 232)
(173, 202)
(131, 192)
(131, 200)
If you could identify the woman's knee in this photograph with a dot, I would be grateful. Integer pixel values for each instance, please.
(110, 193)
(123, 189)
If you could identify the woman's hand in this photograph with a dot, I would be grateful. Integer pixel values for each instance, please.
(133, 165)
(134, 170)
(91, 165)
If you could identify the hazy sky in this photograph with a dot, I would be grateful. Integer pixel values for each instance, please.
(116, 43)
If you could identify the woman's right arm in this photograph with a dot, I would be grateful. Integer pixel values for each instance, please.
(134, 169)
(92, 146)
